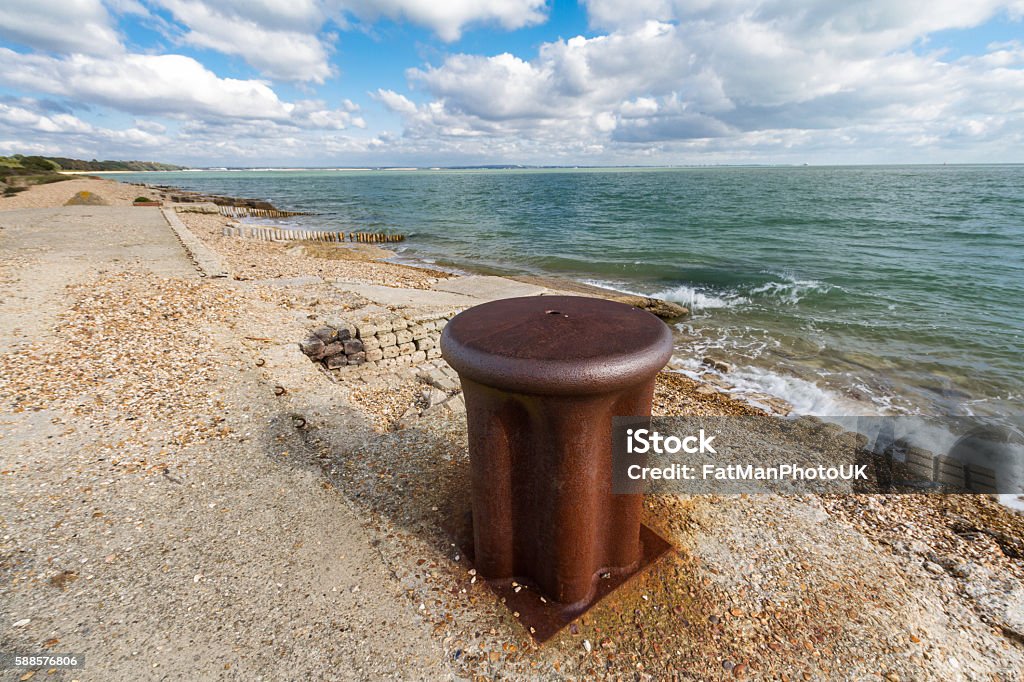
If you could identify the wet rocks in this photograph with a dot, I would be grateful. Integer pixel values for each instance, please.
(717, 365)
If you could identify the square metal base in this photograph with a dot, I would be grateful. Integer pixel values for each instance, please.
(543, 618)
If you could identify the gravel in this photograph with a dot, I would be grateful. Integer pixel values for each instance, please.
(57, 193)
(257, 260)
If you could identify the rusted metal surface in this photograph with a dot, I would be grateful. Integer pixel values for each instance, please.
(543, 376)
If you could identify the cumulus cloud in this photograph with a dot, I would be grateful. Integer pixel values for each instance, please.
(279, 39)
(54, 132)
(286, 40)
(33, 126)
(449, 18)
(658, 81)
(172, 85)
(84, 26)
(21, 117)
(699, 75)
(581, 86)
(139, 83)
(861, 26)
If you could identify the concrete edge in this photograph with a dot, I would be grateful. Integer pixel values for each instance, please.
(205, 258)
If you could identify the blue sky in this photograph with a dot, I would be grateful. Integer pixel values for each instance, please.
(415, 82)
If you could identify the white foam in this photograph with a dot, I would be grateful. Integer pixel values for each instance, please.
(697, 300)
(806, 397)
(690, 297)
(792, 290)
(1012, 501)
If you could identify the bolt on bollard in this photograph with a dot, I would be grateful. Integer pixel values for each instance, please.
(543, 376)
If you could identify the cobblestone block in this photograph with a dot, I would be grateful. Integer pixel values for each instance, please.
(344, 328)
(313, 347)
(332, 349)
(326, 334)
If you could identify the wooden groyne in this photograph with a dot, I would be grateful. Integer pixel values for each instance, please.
(277, 234)
(252, 212)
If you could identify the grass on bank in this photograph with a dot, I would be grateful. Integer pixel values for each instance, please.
(18, 173)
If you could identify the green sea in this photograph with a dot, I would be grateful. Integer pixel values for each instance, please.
(845, 290)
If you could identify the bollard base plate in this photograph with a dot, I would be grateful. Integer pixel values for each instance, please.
(543, 618)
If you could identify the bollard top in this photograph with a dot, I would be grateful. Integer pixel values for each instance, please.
(556, 345)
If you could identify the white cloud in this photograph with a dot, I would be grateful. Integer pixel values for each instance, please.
(79, 26)
(568, 79)
(171, 86)
(395, 102)
(182, 108)
(138, 83)
(863, 25)
(54, 132)
(279, 39)
(710, 77)
(315, 114)
(284, 40)
(664, 81)
(448, 18)
(21, 117)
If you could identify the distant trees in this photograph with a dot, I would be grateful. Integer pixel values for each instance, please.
(94, 165)
(19, 171)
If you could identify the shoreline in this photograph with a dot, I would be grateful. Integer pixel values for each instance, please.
(711, 372)
(788, 331)
(187, 479)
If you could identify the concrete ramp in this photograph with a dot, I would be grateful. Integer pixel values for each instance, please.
(490, 288)
(46, 249)
(456, 293)
(395, 297)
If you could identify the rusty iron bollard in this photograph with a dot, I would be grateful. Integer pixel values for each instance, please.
(542, 377)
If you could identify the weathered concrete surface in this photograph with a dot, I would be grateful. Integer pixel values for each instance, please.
(205, 258)
(657, 306)
(408, 298)
(475, 289)
(458, 292)
(490, 288)
(55, 247)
